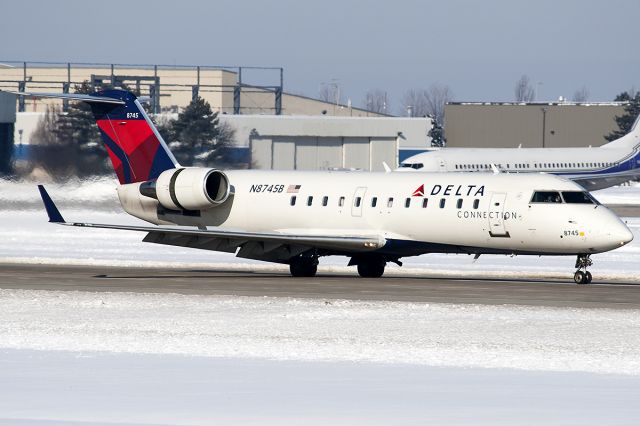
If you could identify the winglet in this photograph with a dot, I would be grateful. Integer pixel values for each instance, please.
(49, 205)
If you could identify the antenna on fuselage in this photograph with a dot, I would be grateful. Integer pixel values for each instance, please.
(495, 169)
(387, 169)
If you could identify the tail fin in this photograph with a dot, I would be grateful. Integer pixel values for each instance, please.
(135, 147)
(630, 140)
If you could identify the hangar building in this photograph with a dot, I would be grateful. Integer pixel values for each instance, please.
(322, 143)
(530, 125)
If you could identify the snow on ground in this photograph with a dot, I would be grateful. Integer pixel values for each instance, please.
(124, 389)
(623, 194)
(517, 337)
(81, 358)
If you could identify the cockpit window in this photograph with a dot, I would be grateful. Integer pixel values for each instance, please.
(578, 197)
(546, 197)
(412, 165)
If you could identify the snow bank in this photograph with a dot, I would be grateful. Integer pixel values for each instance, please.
(530, 338)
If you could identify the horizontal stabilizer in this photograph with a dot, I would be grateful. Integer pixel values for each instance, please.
(50, 206)
(73, 96)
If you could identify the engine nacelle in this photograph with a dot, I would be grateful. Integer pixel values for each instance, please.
(191, 188)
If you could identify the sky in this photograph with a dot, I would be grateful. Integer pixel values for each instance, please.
(477, 48)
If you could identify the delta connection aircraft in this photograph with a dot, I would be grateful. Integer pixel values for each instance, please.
(594, 168)
(295, 217)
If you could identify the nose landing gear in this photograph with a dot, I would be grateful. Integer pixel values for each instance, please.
(582, 263)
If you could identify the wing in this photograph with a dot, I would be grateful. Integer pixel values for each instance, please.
(268, 246)
(593, 182)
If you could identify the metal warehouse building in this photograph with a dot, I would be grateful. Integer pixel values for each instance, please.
(531, 125)
(322, 143)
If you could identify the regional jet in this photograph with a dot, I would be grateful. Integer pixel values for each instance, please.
(296, 217)
(594, 168)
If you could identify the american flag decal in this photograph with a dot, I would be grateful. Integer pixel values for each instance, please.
(293, 189)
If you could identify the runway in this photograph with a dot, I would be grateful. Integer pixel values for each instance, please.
(612, 295)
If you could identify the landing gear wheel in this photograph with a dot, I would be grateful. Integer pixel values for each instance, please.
(303, 266)
(588, 277)
(582, 263)
(371, 268)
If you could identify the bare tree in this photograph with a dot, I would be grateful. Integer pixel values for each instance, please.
(413, 103)
(330, 92)
(427, 102)
(524, 91)
(437, 97)
(377, 100)
(581, 95)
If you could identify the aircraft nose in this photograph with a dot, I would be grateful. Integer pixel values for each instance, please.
(623, 235)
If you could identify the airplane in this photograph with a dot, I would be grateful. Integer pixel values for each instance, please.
(594, 168)
(296, 217)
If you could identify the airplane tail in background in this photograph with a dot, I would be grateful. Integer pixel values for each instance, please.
(630, 140)
(135, 147)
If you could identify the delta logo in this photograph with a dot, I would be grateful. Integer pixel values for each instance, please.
(456, 190)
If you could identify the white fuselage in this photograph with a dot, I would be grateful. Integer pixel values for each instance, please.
(454, 212)
(594, 168)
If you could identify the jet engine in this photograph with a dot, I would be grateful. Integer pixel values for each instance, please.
(191, 188)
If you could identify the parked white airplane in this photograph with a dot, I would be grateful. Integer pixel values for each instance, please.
(373, 218)
(593, 168)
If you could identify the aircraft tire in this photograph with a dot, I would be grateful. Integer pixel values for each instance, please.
(588, 277)
(373, 268)
(579, 277)
(302, 267)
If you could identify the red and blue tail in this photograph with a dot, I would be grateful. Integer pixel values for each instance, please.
(136, 149)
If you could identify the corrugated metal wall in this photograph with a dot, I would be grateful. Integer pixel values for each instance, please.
(511, 125)
(322, 153)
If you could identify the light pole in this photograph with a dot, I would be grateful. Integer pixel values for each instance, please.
(544, 125)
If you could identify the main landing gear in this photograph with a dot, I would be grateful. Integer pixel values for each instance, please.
(582, 263)
(369, 266)
(304, 266)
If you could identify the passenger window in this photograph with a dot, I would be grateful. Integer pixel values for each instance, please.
(578, 197)
(476, 203)
(459, 203)
(546, 197)
(390, 202)
(293, 200)
(325, 200)
(442, 202)
(357, 201)
(407, 202)
(309, 200)
(341, 202)
(425, 202)
(374, 201)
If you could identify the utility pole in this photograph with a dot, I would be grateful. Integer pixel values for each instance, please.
(544, 125)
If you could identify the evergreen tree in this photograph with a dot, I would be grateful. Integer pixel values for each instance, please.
(626, 120)
(437, 134)
(77, 129)
(193, 137)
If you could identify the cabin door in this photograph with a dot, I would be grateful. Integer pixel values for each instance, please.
(496, 215)
(358, 201)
